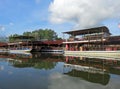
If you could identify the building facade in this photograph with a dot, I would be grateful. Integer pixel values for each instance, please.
(93, 39)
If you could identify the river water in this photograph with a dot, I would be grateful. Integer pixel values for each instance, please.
(56, 71)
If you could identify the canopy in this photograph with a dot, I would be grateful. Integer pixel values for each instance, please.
(88, 31)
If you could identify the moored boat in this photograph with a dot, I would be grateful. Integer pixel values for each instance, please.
(20, 50)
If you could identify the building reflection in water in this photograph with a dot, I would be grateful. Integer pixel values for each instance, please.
(90, 69)
(35, 60)
(90, 74)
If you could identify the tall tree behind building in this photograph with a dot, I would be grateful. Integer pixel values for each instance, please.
(40, 34)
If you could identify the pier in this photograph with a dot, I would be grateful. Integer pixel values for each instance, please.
(94, 54)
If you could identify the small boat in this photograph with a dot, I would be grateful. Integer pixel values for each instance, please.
(20, 50)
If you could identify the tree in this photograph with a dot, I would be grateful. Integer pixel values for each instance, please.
(40, 34)
(11, 39)
(48, 34)
(27, 34)
(44, 34)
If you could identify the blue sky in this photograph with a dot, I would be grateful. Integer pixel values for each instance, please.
(18, 16)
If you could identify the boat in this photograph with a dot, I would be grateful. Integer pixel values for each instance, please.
(20, 45)
(20, 50)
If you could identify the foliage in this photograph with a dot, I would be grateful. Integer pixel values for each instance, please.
(11, 37)
(45, 65)
(40, 34)
(27, 34)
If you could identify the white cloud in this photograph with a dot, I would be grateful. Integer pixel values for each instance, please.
(84, 13)
(62, 81)
(1, 67)
(2, 28)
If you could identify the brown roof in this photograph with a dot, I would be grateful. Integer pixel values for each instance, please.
(52, 42)
(3, 44)
(88, 31)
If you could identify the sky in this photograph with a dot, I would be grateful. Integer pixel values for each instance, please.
(18, 16)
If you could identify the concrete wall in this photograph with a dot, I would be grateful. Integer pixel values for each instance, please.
(109, 54)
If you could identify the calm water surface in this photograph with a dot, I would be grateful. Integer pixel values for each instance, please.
(55, 71)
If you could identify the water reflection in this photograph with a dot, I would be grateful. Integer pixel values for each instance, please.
(56, 70)
(90, 74)
(106, 65)
(36, 60)
(92, 69)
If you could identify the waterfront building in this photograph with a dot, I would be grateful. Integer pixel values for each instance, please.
(21, 43)
(3, 47)
(92, 39)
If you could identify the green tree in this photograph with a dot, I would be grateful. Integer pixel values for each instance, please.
(11, 39)
(40, 34)
(45, 34)
(27, 34)
(45, 65)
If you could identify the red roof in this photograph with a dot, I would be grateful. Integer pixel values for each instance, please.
(3, 44)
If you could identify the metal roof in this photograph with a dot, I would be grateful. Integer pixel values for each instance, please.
(88, 31)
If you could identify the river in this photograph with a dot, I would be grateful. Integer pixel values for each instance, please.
(56, 71)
